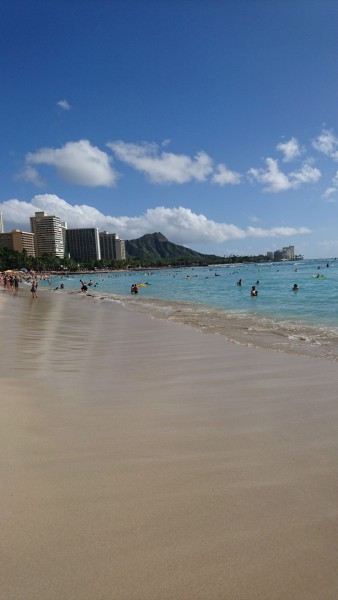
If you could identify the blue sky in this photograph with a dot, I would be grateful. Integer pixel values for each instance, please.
(214, 121)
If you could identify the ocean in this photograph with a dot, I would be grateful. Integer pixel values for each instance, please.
(301, 322)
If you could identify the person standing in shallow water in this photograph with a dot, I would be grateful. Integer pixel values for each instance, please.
(254, 292)
(34, 288)
(16, 284)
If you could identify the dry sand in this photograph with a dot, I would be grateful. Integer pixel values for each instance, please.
(146, 460)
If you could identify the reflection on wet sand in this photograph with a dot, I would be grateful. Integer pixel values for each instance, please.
(142, 459)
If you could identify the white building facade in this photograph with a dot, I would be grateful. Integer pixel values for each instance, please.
(48, 234)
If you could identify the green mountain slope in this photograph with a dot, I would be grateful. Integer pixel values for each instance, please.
(154, 246)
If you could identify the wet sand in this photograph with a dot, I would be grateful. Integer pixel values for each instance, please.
(145, 460)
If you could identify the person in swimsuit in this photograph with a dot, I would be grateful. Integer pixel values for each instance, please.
(34, 288)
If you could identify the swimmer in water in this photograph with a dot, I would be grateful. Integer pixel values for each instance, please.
(295, 287)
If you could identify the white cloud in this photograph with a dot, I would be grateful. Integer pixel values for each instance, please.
(16, 214)
(163, 167)
(31, 175)
(277, 231)
(275, 180)
(329, 195)
(77, 162)
(64, 104)
(179, 225)
(290, 149)
(223, 176)
(327, 143)
(306, 174)
(332, 190)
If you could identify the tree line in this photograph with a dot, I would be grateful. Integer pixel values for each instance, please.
(11, 259)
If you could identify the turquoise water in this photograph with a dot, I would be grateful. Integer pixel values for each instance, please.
(210, 298)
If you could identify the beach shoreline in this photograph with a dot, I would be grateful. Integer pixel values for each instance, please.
(280, 319)
(145, 459)
(275, 335)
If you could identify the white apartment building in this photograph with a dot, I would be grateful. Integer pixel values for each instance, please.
(120, 248)
(289, 252)
(48, 234)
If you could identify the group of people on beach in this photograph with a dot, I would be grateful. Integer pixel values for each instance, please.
(11, 282)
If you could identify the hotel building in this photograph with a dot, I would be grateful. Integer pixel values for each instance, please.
(111, 246)
(19, 241)
(48, 234)
(83, 244)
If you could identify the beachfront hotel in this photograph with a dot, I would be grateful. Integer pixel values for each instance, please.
(16, 239)
(19, 241)
(83, 244)
(48, 234)
(286, 253)
(111, 246)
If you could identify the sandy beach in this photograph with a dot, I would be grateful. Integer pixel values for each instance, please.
(146, 460)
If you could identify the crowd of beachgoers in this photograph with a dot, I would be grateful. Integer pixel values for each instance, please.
(11, 280)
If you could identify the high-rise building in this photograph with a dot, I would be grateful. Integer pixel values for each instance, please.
(6, 240)
(286, 253)
(23, 240)
(120, 247)
(1, 223)
(112, 247)
(289, 252)
(83, 244)
(18, 240)
(48, 234)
